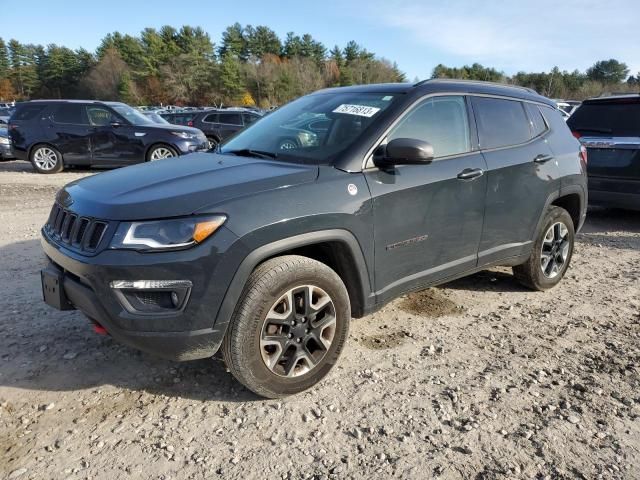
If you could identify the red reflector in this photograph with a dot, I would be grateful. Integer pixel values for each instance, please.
(99, 329)
(576, 134)
(583, 154)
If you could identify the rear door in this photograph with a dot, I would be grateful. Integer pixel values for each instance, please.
(69, 131)
(428, 218)
(610, 129)
(522, 174)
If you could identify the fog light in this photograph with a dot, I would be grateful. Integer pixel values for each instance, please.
(152, 297)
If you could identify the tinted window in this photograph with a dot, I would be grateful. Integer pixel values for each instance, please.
(213, 118)
(249, 118)
(27, 112)
(100, 116)
(536, 121)
(441, 121)
(608, 118)
(231, 118)
(500, 122)
(70, 113)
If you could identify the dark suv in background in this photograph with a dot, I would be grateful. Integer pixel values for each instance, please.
(267, 252)
(52, 134)
(218, 125)
(610, 129)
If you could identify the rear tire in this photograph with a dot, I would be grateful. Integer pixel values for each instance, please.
(159, 152)
(289, 327)
(46, 159)
(551, 252)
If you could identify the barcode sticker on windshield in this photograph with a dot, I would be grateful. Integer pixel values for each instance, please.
(360, 110)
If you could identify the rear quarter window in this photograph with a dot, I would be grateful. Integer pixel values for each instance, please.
(536, 120)
(501, 122)
(27, 112)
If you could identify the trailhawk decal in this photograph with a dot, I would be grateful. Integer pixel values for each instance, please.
(359, 110)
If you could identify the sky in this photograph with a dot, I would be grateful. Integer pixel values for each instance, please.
(511, 35)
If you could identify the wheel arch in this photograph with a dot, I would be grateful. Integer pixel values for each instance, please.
(336, 248)
(44, 144)
(160, 143)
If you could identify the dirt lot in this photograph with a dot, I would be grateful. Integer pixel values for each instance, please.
(477, 379)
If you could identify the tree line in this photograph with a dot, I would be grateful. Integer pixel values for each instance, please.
(250, 66)
(604, 77)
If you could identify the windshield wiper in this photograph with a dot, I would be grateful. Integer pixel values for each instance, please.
(248, 152)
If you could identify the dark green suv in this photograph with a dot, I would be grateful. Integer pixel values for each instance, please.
(268, 251)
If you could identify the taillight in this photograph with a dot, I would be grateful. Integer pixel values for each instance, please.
(190, 123)
(576, 134)
(583, 154)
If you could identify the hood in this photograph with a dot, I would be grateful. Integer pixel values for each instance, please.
(178, 186)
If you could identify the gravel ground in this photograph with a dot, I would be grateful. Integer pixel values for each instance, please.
(479, 378)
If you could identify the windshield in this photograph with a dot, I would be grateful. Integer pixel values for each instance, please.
(313, 129)
(132, 115)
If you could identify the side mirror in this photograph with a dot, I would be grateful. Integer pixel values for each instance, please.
(403, 151)
(115, 124)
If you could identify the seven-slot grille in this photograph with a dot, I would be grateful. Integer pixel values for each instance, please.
(79, 232)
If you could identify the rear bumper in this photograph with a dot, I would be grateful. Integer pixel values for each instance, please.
(616, 193)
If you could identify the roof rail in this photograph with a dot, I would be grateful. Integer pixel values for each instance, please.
(477, 82)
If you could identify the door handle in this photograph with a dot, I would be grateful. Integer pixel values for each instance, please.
(470, 173)
(543, 158)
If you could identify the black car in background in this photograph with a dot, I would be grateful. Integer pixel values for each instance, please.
(179, 118)
(218, 125)
(5, 144)
(52, 134)
(610, 129)
(155, 117)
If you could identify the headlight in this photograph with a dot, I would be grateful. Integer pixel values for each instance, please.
(185, 135)
(5, 140)
(173, 234)
(307, 139)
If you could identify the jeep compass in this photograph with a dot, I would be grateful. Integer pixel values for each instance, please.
(266, 249)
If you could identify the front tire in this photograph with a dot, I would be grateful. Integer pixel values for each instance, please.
(159, 152)
(551, 253)
(212, 143)
(289, 327)
(46, 159)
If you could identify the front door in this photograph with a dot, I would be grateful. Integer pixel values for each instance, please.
(113, 140)
(428, 218)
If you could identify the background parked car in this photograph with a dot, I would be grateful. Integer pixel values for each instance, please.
(218, 125)
(4, 120)
(179, 118)
(610, 129)
(5, 144)
(155, 117)
(54, 133)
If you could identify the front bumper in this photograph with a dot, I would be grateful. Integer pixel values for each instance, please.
(5, 151)
(191, 146)
(191, 333)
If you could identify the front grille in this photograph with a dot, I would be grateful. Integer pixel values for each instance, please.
(70, 229)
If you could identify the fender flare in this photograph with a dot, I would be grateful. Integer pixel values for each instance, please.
(264, 252)
(563, 191)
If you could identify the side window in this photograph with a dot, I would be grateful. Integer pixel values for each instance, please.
(213, 118)
(500, 122)
(441, 121)
(536, 120)
(231, 118)
(71, 113)
(249, 118)
(100, 117)
(27, 112)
